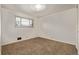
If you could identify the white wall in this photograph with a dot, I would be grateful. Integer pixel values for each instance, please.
(60, 26)
(0, 29)
(10, 32)
(78, 29)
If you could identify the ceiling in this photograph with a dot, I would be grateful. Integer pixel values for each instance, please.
(50, 8)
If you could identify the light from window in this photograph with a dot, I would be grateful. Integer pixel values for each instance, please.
(23, 22)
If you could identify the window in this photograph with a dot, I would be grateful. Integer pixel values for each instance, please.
(23, 22)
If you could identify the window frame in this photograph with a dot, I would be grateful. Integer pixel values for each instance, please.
(21, 26)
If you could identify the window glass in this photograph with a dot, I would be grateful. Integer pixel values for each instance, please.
(23, 22)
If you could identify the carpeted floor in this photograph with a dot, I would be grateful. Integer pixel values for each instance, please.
(39, 46)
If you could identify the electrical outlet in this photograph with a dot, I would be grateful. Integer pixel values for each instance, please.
(19, 38)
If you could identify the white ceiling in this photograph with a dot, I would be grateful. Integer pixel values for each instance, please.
(50, 8)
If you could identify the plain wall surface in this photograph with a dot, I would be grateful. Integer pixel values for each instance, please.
(10, 32)
(59, 26)
(78, 29)
(0, 29)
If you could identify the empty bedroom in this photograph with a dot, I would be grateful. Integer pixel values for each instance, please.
(39, 29)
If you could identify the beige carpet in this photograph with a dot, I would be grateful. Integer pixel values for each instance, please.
(39, 46)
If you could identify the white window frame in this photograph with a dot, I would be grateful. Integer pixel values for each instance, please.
(22, 26)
